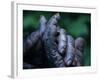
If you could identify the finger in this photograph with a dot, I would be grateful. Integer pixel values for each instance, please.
(78, 58)
(62, 41)
(42, 24)
(51, 25)
(69, 56)
(54, 19)
(79, 47)
(80, 43)
(42, 19)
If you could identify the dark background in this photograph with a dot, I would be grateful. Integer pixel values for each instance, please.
(75, 24)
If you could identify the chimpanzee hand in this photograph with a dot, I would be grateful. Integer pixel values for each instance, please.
(60, 48)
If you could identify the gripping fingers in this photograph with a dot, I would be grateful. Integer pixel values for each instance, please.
(79, 48)
(42, 24)
(69, 56)
(54, 19)
(79, 44)
(62, 41)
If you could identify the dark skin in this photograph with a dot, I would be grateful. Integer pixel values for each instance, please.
(45, 41)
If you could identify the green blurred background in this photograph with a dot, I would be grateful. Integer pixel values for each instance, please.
(75, 24)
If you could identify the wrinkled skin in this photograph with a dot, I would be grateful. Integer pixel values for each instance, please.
(55, 47)
(62, 41)
(34, 37)
(79, 44)
(69, 57)
(79, 49)
(53, 55)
